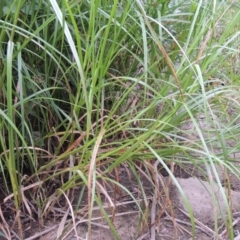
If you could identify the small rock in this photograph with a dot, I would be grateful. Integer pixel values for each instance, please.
(199, 194)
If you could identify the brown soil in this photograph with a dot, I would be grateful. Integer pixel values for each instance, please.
(171, 217)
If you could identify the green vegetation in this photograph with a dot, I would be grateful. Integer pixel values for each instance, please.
(89, 86)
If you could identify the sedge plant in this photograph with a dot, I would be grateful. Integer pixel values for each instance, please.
(87, 87)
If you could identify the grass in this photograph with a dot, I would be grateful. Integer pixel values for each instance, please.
(89, 86)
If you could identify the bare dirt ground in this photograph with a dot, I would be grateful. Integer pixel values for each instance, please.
(170, 220)
(167, 215)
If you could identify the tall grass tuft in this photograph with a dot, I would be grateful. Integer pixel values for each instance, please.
(89, 86)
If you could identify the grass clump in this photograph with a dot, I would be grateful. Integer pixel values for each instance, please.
(89, 87)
